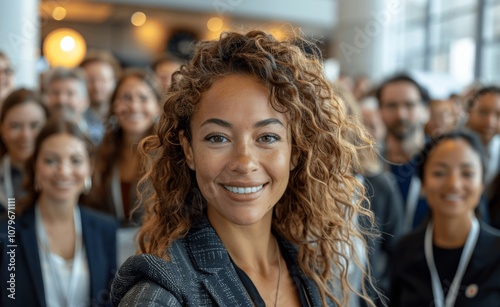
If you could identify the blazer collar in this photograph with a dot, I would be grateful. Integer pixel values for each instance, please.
(211, 256)
(28, 241)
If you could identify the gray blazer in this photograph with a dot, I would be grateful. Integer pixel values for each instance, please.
(200, 273)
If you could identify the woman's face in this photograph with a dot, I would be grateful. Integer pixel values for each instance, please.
(61, 167)
(6, 78)
(453, 179)
(20, 128)
(136, 106)
(240, 151)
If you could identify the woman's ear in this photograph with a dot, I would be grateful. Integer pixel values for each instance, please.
(294, 159)
(188, 150)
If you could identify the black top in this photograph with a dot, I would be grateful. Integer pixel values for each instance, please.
(446, 261)
(254, 293)
(411, 284)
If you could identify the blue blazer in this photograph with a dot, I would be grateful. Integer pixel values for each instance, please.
(200, 273)
(99, 237)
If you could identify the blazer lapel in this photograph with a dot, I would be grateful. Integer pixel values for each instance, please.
(90, 238)
(28, 241)
(211, 257)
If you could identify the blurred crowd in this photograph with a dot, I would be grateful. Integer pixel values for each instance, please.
(72, 143)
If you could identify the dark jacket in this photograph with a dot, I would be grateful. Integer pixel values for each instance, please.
(411, 282)
(99, 238)
(200, 273)
(385, 203)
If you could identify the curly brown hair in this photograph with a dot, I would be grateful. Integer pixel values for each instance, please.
(323, 197)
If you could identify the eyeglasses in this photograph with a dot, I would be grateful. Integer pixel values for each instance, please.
(7, 71)
(128, 99)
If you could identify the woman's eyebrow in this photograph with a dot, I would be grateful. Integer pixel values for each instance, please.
(259, 124)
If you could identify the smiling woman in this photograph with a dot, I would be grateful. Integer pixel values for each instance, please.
(453, 260)
(59, 258)
(251, 170)
(21, 117)
(135, 108)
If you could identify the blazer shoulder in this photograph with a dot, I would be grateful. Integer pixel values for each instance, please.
(98, 217)
(176, 275)
(147, 293)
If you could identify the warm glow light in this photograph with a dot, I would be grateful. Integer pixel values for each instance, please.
(150, 35)
(59, 13)
(64, 47)
(138, 19)
(67, 43)
(215, 24)
(277, 33)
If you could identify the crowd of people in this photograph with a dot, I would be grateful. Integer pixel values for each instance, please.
(242, 177)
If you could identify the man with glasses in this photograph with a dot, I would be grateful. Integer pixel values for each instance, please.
(404, 110)
(6, 77)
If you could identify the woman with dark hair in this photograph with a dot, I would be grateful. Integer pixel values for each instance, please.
(453, 260)
(64, 255)
(22, 115)
(134, 108)
(252, 184)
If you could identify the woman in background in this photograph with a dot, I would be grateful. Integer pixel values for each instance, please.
(135, 108)
(6, 77)
(454, 259)
(64, 255)
(22, 116)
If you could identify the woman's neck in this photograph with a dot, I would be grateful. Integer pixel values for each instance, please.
(56, 211)
(130, 141)
(451, 232)
(251, 250)
(16, 163)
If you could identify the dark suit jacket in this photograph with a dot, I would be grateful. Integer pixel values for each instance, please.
(411, 282)
(200, 273)
(386, 205)
(99, 237)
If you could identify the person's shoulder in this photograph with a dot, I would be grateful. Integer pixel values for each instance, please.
(98, 217)
(148, 293)
(151, 273)
(490, 235)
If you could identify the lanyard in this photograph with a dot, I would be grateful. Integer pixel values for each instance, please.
(65, 299)
(116, 193)
(437, 289)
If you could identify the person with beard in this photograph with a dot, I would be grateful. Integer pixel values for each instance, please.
(67, 96)
(102, 71)
(404, 109)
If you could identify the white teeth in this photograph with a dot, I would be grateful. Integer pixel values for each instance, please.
(241, 190)
(452, 197)
(63, 184)
(135, 116)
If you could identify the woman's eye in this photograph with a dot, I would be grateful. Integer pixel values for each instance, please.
(49, 161)
(437, 173)
(216, 138)
(76, 161)
(269, 138)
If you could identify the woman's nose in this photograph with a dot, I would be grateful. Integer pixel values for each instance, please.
(244, 159)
